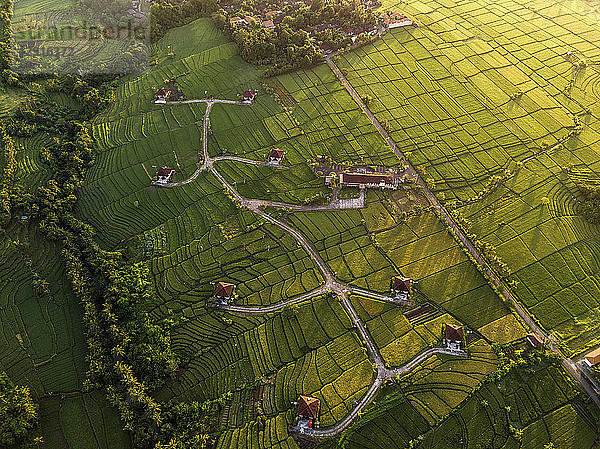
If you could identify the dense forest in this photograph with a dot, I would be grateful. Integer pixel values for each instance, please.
(300, 31)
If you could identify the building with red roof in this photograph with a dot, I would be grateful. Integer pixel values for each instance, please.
(249, 95)
(162, 95)
(592, 358)
(401, 288)
(453, 337)
(235, 21)
(534, 340)
(362, 180)
(224, 290)
(307, 412)
(163, 175)
(276, 155)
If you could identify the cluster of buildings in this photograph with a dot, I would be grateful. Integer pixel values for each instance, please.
(268, 21)
(358, 176)
(394, 19)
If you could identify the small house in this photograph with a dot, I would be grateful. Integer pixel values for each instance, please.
(250, 19)
(308, 412)
(269, 25)
(592, 358)
(400, 285)
(237, 21)
(164, 174)
(276, 155)
(249, 96)
(162, 95)
(272, 14)
(453, 337)
(395, 20)
(534, 340)
(224, 290)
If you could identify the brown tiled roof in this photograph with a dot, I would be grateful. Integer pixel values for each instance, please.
(593, 357)
(276, 153)
(534, 340)
(453, 332)
(366, 178)
(164, 171)
(162, 92)
(268, 24)
(308, 407)
(224, 289)
(401, 284)
(249, 94)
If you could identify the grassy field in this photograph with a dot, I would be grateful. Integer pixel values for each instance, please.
(487, 89)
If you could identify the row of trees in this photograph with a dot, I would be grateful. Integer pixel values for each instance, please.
(8, 168)
(6, 51)
(129, 354)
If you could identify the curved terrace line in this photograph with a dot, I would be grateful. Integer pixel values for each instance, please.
(339, 289)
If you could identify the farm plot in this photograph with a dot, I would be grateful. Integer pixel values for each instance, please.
(42, 341)
(484, 89)
(440, 384)
(194, 235)
(324, 122)
(419, 248)
(447, 99)
(306, 350)
(296, 184)
(552, 251)
(491, 418)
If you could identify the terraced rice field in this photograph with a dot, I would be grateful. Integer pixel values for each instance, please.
(444, 91)
(482, 89)
(541, 405)
(194, 235)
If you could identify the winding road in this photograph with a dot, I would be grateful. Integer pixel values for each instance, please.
(331, 284)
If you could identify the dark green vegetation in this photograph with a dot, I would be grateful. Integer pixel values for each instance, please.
(18, 412)
(300, 34)
(590, 203)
